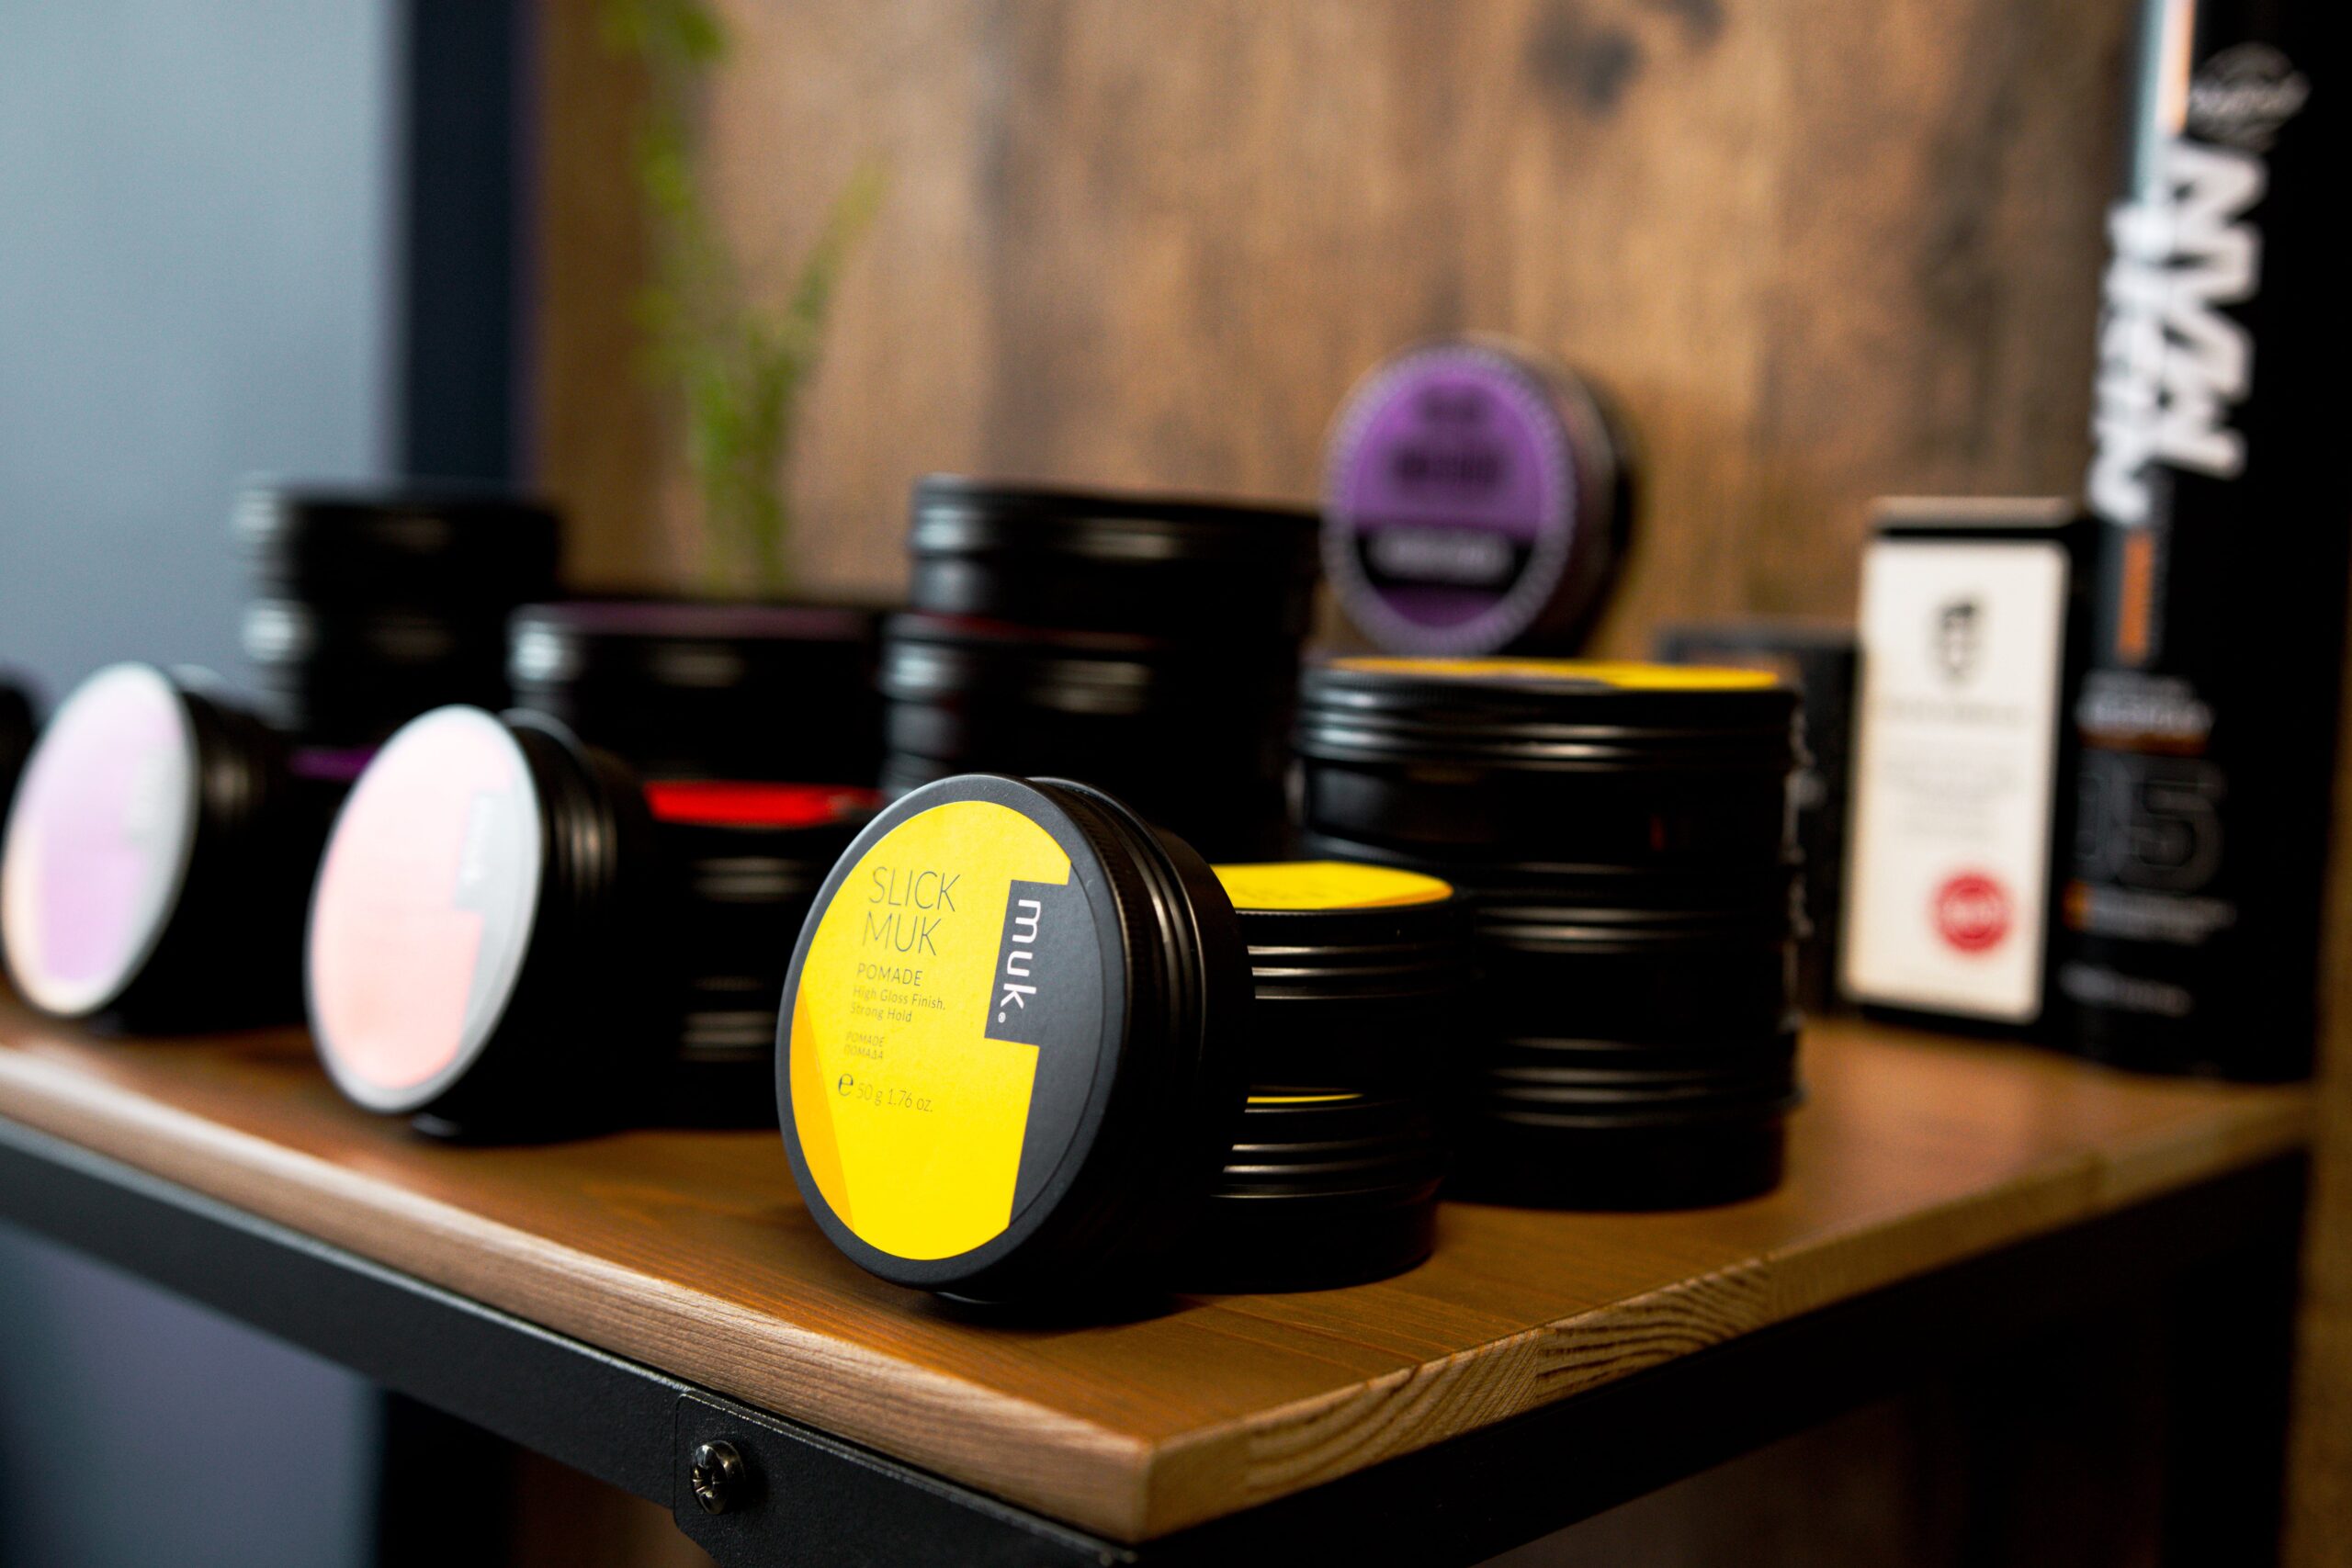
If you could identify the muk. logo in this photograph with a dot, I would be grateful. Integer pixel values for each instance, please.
(1020, 925)
(1034, 949)
(1959, 635)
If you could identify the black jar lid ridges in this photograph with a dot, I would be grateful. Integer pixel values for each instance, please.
(952, 513)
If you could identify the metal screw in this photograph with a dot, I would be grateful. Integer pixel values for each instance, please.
(718, 1476)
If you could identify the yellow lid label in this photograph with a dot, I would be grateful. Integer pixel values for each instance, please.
(1303, 1098)
(956, 953)
(1623, 675)
(1327, 884)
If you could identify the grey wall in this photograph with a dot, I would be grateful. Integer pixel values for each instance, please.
(195, 282)
(140, 1432)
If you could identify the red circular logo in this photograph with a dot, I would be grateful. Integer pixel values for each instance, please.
(1972, 911)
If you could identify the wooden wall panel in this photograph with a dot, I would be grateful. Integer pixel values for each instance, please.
(1823, 249)
(595, 442)
(2319, 1522)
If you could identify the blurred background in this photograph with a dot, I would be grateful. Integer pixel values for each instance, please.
(1823, 249)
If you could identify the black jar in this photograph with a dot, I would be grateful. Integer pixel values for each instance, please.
(515, 937)
(1621, 834)
(482, 918)
(156, 855)
(1608, 1125)
(18, 728)
(374, 603)
(1644, 955)
(703, 689)
(741, 864)
(1322, 1188)
(1511, 762)
(1359, 972)
(1013, 1042)
(1194, 737)
(1164, 566)
(418, 542)
(1337, 1157)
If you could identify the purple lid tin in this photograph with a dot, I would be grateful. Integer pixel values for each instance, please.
(1473, 501)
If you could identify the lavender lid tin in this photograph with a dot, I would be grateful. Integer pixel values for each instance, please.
(1472, 501)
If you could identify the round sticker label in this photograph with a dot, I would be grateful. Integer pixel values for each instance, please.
(946, 1026)
(98, 839)
(1451, 504)
(1973, 912)
(424, 907)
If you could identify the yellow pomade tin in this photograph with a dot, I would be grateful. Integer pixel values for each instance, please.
(1010, 1045)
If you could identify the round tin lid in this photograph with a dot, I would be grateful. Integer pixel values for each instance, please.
(99, 841)
(425, 909)
(996, 1047)
(1532, 700)
(1468, 488)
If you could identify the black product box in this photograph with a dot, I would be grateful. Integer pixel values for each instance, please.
(1818, 658)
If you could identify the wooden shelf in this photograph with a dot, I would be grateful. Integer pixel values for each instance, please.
(690, 1252)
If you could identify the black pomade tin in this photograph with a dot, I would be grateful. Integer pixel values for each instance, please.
(1108, 561)
(1337, 1157)
(482, 902)
(1471, 761)
(421, 542)
(374, 603)
(18, 729)
(1358, 970)
(1012, 1044)
(1323, 1186)
(1622, 1125)
(1192, 737)
(741, 863)
(155, 856)
(683, 688)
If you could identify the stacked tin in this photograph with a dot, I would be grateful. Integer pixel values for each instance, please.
(702, 689)
(1622, 832)
(374, 604)
(741, 864)
(1337, 1152)
(1147, 645)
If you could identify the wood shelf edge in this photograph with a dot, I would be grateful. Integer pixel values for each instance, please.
(1090, 1477)
(1203, 1474)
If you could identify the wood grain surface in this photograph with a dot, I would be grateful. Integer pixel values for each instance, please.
(2319, 1493)
(690, 1251)
(1822, 250)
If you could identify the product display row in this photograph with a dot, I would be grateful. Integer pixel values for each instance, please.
(1081, 928)
(1019, 1034)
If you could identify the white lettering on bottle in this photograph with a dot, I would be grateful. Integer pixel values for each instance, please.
(2173, 367)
